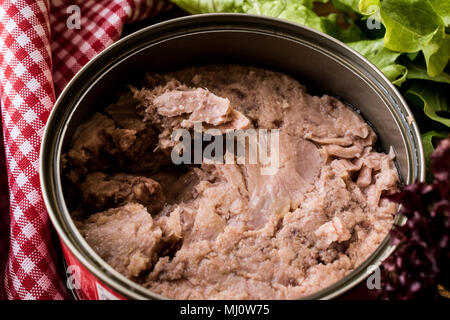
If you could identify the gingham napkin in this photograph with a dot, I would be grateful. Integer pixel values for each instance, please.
(42, 45)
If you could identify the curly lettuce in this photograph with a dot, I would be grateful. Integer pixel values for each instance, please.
(299, 11)
(414, 25)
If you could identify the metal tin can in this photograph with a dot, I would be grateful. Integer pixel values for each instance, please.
(317, 60)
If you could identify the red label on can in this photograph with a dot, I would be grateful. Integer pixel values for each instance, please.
(84, 284)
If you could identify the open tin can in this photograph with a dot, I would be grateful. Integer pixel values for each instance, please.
(315, 59)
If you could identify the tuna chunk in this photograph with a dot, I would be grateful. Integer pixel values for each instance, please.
(89, 144)
(346, 153)
(101, 191)
(118, 138)
(171, 225)
(298, 168)
(125, 237)
(332, 231)
(182, 107)
(364, 177)
(200, 104)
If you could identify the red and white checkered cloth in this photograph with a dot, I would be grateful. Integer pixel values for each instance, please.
(39, 54)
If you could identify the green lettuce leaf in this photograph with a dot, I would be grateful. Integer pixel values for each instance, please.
(262, 7)
(413, 55)
(418, 70)
(437, 53)
(383, 58)
(410, 24)
(350, 34)
(430, 140)
(432, 97)
(210, 6)
(442, 8)
(298, 11)
(415, 25)
(292, 10)
(369, 7)
(346, 5)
